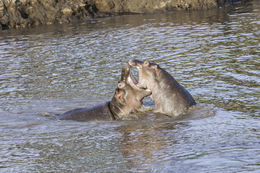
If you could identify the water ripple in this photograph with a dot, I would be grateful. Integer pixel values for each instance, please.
(214, 54)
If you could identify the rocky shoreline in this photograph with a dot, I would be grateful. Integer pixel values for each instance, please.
(29, 13)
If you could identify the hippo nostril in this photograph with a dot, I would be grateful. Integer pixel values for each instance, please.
(143, 88)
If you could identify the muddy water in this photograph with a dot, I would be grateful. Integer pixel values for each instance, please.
(215, 55)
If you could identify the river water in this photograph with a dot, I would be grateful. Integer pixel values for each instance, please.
(214, 54)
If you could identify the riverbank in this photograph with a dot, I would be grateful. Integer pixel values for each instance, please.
(29, 13)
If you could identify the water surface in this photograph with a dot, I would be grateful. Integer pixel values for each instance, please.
(214, 54)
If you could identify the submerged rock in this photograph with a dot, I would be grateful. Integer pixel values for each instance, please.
(27, 13)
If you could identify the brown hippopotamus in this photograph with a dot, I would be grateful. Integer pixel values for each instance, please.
(169, 96)
(127, 99)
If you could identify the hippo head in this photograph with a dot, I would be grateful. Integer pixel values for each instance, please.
(127, 97)
(148, 73)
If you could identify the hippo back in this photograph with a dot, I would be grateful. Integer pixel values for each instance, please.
(96, 113)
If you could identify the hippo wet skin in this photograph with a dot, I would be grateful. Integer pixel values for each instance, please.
(127, 99)
(100, 112)
(169, 96)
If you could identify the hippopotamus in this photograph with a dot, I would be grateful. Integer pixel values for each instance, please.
(170, 97)
(127, 99)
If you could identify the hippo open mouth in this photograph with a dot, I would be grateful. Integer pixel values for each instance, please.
(133, 78)
(130, 76)
(133, 75)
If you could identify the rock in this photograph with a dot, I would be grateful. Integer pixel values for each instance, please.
(1, 9)
(67, 11)
(24, 13)
(144, 6)
(27, 13)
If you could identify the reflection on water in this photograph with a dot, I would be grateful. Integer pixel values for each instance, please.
(141, 144)
(214, 54)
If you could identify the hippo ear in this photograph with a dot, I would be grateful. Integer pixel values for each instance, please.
(156, 69)
(146, 63)
(121, 85)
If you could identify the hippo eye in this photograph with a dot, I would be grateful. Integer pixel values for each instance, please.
(146, 63)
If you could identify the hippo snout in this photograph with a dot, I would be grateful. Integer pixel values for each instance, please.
(134, 62)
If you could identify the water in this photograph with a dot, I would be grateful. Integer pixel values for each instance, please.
(214, 54)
